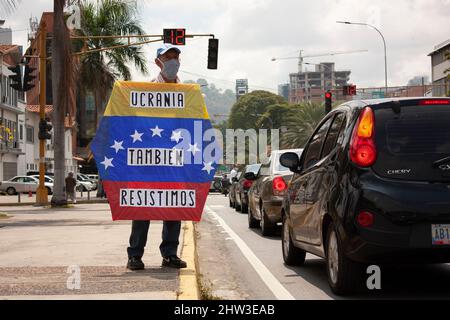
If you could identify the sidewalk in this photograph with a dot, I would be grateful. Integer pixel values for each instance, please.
(42, 249)
(24, 198)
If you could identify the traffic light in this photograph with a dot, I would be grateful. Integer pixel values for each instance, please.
(16, 78)
(213, 52)
(328, 101)
(44, 130)
(28, 78)
(176, 37)
(349, 90)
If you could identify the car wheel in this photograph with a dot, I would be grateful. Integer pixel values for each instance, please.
(344, 275)
(292, 255)
(11, 191)
(267, 226)
(252, 222)
(237, 206)
(244, 207)
(49, 191)
(84, 189)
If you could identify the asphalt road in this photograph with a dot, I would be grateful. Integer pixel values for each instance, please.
(239, 263)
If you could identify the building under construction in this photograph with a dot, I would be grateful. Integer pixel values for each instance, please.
(312, 85)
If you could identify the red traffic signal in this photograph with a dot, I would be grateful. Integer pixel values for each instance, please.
(349, 90)
(328, 101)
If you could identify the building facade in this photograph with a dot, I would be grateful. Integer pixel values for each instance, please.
(12, 121)
(312, 85)
(439, 66)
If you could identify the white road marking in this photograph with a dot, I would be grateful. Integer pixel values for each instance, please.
(229, 239)
(266, 276)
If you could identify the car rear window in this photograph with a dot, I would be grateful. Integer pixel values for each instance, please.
(409, 142)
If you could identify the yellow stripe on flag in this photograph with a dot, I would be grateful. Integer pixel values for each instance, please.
(120, 100)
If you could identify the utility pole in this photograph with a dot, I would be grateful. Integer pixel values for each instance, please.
(41, 193)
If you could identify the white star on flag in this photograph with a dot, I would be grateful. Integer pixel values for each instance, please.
(193, 148)
(107, 162)
(176, 136)
(136, 136)
(156, 131)
(208, 167)
(117, 146)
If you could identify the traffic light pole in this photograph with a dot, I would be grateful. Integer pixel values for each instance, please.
(41, 193)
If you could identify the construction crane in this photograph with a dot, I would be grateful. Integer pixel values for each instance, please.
(301, 57)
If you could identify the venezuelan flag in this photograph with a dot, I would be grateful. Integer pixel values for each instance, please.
(155, 151)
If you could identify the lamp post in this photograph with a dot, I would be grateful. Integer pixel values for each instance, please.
(384, 43)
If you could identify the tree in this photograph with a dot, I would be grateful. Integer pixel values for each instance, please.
(8, 5)
(249, 108)
(275, 116)
(111, 17)
(301, 122)
(62, 78)
(219, 102)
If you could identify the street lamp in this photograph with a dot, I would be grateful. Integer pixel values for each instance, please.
(384, 43)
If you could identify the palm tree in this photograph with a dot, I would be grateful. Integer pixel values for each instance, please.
(301, 122)
(62, 77)
(8, 5)
(97, 71)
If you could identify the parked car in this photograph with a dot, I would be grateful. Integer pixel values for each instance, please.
(92, 181)
(23, 184)
(84, 184)
(232, 190)
(36, 173)
(216, 185)
(93, 177)
(48, 182)
(371, 187)
(242, 187)
(266, 193)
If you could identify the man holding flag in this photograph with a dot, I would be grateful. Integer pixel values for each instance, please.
(167, 59)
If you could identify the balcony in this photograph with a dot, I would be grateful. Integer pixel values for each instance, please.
(10, 147)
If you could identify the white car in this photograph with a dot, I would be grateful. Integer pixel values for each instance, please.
(23, 184)
(84, 185)
(83, 178)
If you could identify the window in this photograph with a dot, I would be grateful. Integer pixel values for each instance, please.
(30, 134)
(21, 132)
(332, 136)
(315, 146)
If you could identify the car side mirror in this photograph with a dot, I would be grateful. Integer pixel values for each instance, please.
(290, 160)
(250, 176)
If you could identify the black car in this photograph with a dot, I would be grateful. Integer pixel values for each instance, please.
(242, 187)
(232, 191)
(371, 187)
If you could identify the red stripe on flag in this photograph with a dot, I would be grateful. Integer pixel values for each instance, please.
(112, 190)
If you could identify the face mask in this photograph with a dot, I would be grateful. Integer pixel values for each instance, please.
(170, 69)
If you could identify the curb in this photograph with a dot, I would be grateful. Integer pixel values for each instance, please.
(188, 288)
(21, 204)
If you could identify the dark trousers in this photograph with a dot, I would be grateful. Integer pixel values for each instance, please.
(138, 238)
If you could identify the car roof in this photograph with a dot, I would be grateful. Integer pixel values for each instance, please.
(374, 102)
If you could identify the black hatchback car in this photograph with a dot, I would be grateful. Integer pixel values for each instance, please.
(371, 187)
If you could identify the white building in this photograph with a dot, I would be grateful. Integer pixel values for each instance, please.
(12, 119)
(439, 65)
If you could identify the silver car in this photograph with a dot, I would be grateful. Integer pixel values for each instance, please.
(19, 184)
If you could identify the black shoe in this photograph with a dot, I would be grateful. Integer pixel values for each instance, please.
(174, 262)
(135, 263)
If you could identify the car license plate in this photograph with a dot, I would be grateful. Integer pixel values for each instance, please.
(440, 234)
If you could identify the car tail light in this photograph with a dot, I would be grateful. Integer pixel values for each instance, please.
(278, 185)
(363, 151)
(429, 102)
(247, 183)
(365, 219)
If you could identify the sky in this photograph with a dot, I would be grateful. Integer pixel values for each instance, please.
(252, 32)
